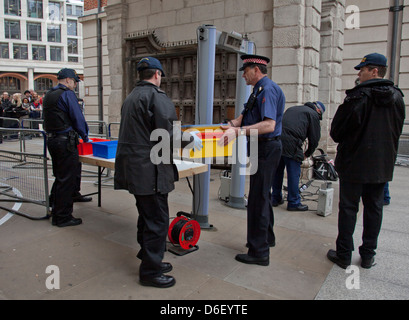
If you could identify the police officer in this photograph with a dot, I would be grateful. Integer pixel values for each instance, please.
(299, 123)
(366, 127)
(63, 122)
(148, 108)
(263, 112)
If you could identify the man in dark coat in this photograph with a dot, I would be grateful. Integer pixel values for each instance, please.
(299, 123)
(367, 127)
(147, 174)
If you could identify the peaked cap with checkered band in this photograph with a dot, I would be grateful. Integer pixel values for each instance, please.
(250, 59)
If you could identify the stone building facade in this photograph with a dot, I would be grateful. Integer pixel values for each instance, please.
(314, 45)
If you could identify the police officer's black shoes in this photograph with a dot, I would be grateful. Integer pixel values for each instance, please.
(245, 258)
(368, 263)
(82, 199)
(166, 267)
(66, 223)
(301, 207)
(332, 256)
(162, 281)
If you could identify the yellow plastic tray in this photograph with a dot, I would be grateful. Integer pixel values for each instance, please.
(210, 135)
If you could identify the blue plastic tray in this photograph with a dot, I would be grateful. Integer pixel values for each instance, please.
(105, 149)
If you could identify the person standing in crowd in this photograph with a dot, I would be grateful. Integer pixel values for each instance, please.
(27, 94)
(63, 122)
(148, 108)
(366, 127)
(15, 107)
(263, 112)
(35, 109)
(5, 105)
(299, 123)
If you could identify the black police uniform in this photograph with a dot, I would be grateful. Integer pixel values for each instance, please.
(62, 120)
(268, 102)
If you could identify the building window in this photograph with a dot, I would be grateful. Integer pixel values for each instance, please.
(55, 11)
(34, 31)
(4, 51)
(10, 84)
(55, 53)
(38, 52)
(42, 85)
(72, 45)
(54, 33)
(11, 29)
(35, 9)
(72, 28)
(69, 9)
(20, 51)
(72, 59)
(12, 7)
(74, 11)
(78, 11)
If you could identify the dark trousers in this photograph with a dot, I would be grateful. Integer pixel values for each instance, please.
(293, 180)
(66, 167)
(260, 216)
(153, 225)
(372, 199)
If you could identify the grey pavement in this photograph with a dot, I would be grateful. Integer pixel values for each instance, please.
(97, 260)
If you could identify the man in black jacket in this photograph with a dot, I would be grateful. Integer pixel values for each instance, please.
(366, 127)
(299, 123)
(137, 169)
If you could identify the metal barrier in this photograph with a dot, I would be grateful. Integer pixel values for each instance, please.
(24, 175)
(7, 122)
(98, 129)
(32, 123)
(403, 149)
(112, 137)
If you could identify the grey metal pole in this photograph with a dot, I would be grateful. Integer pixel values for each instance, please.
(238, 178)
(206, 56)
(99, 68)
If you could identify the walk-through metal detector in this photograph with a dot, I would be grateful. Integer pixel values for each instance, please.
(208, 38)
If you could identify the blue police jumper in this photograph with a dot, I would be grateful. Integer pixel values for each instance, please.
(64, 152)
(270, 103)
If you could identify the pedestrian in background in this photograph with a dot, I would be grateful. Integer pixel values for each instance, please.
(366, 127)
(299, 123)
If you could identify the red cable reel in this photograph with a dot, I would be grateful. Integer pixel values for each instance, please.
(184, 231)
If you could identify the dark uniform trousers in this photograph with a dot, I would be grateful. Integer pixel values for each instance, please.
(153, 225)
(66, 168)
(372, 199)
(260, 216)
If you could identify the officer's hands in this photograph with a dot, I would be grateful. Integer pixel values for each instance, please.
(197, 141)
(228, 136)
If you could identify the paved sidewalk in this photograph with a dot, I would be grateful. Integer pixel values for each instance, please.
(96, 260)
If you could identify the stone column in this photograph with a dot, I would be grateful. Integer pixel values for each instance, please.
(116, 24)
(331, 56)
(296, 45)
